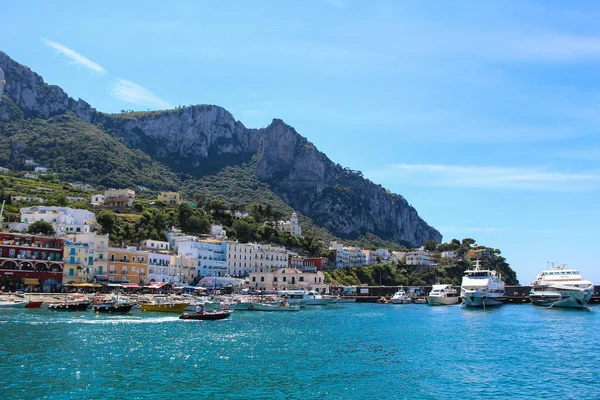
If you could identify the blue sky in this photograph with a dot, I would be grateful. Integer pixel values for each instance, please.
(483, 115)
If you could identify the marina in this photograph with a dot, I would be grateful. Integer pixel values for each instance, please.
(390, 348)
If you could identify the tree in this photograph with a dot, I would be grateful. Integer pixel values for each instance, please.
(41, 227)
(431, 245)
(108, 220)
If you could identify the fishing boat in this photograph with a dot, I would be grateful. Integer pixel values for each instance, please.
(34, 304)
(207, 315)
(400, 297)
(443, 295)
(482, 288)
(113, 308)
(561, 287)
(79, 305)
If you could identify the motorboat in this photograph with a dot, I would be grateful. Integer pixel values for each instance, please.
(346, 299)
(113, 308)
(400, 297)
(76, 305)
(561, 287)
(207, 315)
(443, 295)
(164, 307)
(13, 303)
(276, 306)
(482, 288)
(34, 304)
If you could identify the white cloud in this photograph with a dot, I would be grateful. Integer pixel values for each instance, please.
(133, 93)
(75, 57)
(485, 177)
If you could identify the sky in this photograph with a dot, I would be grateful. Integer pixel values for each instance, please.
(483, 115)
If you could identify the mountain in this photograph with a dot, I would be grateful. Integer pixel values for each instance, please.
(190, 145)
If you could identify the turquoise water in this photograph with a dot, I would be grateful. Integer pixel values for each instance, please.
(368, 351)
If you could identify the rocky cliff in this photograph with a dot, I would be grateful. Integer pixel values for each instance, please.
(198, 139)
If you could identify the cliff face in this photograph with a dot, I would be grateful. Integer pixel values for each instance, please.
(31, 97)
(190, 138)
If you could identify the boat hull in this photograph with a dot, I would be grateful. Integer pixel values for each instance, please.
(170, 308)
(207, 316)
(14, 304)
(401, 300)
(275, 307)
(476, 300)
(81, 306)
(442, 300)
(34, 304)
(561, 298)
(113, 309)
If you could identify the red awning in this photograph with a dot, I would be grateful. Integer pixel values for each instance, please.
(131, 286)
(156, 285)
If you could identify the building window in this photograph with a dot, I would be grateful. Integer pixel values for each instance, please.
(253, 279)
(262, 278)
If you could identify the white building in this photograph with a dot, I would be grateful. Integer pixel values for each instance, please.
(161, 268)
(2, 169)
(41, 170)
(292, 226)
(371, 257)
(63, 219)
(418, 257)
(217, 232)
(449, 254)
(383, 255)
(350, 257)
(287, 278)
(27, 199)
(209, 253)
(69, 198)
(97, 200)
(243, 258)
(154, 245)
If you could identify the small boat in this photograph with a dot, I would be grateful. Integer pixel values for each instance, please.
(165, 307)
(441, 295)
(383, 300)
(113, 308)
(277, 306)
(341, 299)
(34, 304)
(12, 303)
(69, 306)
(207, 315)
(400, 297)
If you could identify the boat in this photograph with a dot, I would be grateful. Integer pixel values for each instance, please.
(34, 304)
(482, 288)
(113, 308)
(207, 315)
(400, 297)
(561, 287)
(443, 295)
(74, 305)
(341, 299)
(276, 306)
(12, 303)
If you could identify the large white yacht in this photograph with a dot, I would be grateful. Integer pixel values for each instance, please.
(561, 287)
(442, 295)
(482, 288)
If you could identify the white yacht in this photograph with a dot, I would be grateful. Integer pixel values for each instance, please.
(442, 295)
(561, 287)
(400, 297)
(306, 298)
(482, 288)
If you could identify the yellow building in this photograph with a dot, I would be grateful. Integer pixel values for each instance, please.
(127, 265)
(79, 263)
(172, 198)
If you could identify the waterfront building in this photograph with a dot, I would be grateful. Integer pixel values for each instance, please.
(418, 257)
(209, 253)
(118, 198)
(154, 245)
(243, 258)
(349, 257)
(287, 278)
(171, 198)
(32, 260)
(63, 219)
(79, 263)
(127, 265)
(292, 226)
(185, 269)
(161, 267)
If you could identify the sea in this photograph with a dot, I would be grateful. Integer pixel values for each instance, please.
(345, 351)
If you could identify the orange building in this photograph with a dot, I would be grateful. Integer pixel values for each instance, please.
(127, 265)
